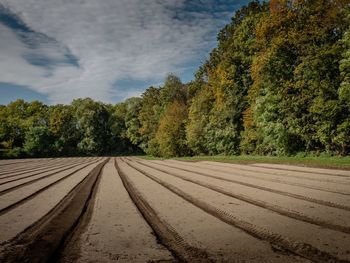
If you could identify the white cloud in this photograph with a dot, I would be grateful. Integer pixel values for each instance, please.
(113, 40)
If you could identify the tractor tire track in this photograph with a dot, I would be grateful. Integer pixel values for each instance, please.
(29, 174)
(46, 169)
(26, 161)
(166, 233)
(32, 167)
(205, 165)
(296, 247)
(335, 173)
(275, 208)
(277, 181)
(288, 194)
(31, 196)
(65, 167)
(41, 241)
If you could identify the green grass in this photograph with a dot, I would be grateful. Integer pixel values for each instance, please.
(321, 162)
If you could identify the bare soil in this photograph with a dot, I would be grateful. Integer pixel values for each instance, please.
(133, 210)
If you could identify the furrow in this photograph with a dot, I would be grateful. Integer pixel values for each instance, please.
(307, 170)
(297, 196)
(261, 173)
(32, 167)
(296, 247)
(277, 181)
(38, 173)
(31, 196)
(10, 189)
(56, 166)
(42, 241)
(24, 161)
(275, 208)
(166, 233)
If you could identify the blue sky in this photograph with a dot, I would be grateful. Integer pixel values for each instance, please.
(109, 50)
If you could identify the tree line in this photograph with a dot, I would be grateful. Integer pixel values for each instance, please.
(278, 83)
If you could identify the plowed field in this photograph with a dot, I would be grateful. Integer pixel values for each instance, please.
(133, 210)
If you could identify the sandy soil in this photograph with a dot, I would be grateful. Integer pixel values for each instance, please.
(18, 161)
(202, 230)
(18, 219)
(300, 172)
(342, 187)
(27, 190)
(307, 169)
(41, 167)
(171, 211)
(117, 231)
(7, 183)
(264, 218)
(236, 176)
(10, 169)
(266, 198)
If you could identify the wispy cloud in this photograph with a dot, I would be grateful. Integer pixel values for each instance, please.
(78, 48)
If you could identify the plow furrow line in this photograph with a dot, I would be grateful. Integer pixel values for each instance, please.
(300, 197)
(275, 208)
(264, 173)
(31, 196)
(30, 168)
(166, 233)
(304, 171)
(26, 161)
(37, 173)
(299, 248)
(65, 167)
(47, 168)
(275, 181)
(41, 242)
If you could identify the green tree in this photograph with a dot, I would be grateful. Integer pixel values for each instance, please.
(172, 90)
(342, 134)
(149, 117)
(62, 126)
(38, 141)
(92, 123)
(294, 95)
(224, 81)
(171, 134)
(198, 121)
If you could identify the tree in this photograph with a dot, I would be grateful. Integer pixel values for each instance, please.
(342, 135)
(295, 79)
(132, 123)
(198, 121)
(149, 117)
(38, 141)
(171, 131)
(62, 126)
(172, 90)
(223, 83)
(92, 123)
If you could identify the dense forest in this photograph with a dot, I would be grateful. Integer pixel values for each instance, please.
(278, 83)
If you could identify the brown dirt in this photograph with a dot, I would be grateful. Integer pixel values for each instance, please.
(31, 176)
(115, 231)
(40, 242)
(78, 210)
(279, 230)
(30, 210)
(323, 197)
(29, 190)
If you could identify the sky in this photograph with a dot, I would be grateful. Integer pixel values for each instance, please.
(109, 50)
